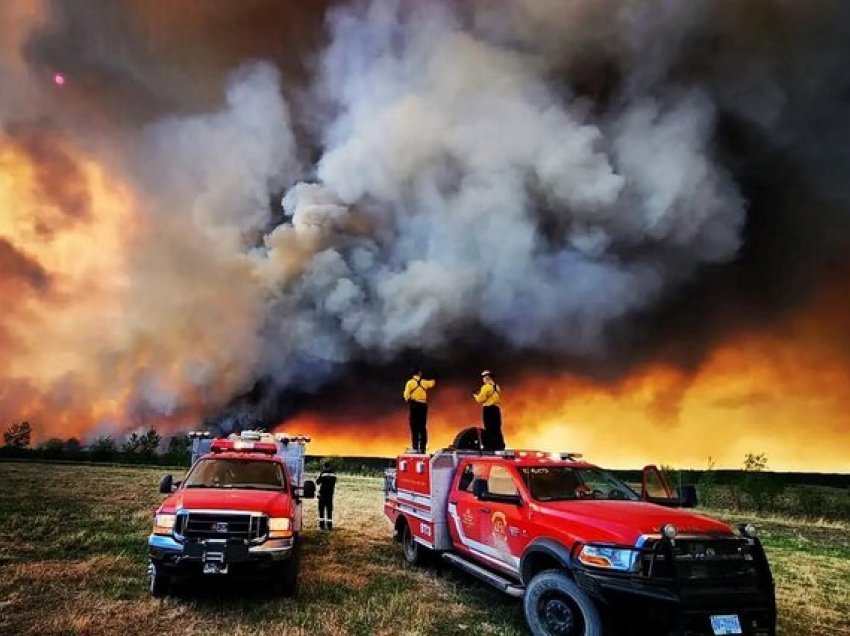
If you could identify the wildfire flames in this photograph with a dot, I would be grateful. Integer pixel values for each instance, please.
(785, 392)
(636, 213)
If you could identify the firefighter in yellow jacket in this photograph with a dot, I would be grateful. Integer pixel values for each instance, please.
(416, 396)
(489, 397)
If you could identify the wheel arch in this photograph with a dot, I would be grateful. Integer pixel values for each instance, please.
(544, 554)
(400, 523)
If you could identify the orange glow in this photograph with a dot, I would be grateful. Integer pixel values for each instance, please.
(73, 343)
(785, 392)
(93, 317)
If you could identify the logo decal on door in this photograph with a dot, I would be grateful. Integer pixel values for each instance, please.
(500, 523)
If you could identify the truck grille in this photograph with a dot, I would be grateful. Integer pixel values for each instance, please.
(698, 560)
(198, 526)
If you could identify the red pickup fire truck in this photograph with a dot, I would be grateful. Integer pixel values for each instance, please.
(238, 511)
(587, 553)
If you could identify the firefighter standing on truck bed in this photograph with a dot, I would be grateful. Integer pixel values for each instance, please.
(489, 397)
(326, 481)
(416, 396)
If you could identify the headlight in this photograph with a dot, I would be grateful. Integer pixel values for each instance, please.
(280, 527)
(163, 524)
(621, 559)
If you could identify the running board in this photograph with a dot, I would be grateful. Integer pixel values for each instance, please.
(491, 578)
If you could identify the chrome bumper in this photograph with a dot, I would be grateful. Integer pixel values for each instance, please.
(161, 546)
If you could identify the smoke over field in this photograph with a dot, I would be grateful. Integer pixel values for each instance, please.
(636, 212)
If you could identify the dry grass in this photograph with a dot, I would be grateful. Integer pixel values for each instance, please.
(73, 559)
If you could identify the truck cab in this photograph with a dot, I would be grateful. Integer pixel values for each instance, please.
(585, 551)
(236, 512)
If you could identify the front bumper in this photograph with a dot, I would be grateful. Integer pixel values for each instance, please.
(169, 556)
(684, 593)
(680, 609)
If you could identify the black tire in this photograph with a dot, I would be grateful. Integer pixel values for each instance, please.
(414, 553)
(159, 584)
(288, 574)
(555, 606)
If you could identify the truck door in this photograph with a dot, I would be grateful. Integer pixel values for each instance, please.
(502, 519)
(654, 485)
(464, 519)
(655, 488)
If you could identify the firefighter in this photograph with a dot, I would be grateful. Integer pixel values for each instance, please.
(326, 481)
(416, 396)
(489, 397)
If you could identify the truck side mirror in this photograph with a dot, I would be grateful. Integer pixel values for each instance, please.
(166, 484)
(308, 491)
(479, 488)
(688, 496)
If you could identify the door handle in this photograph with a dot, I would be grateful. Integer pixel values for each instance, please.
(485, 511)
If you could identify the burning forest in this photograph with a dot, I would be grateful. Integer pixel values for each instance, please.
(263, 213)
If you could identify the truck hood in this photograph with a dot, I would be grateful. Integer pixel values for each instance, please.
(624, 521)
(273, 503)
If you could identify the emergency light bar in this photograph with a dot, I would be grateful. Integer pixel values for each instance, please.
(225, 445)
(533, 454)
(199, 434)
(284, 438)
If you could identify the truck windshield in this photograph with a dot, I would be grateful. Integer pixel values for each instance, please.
(236, 473)
(560, 483)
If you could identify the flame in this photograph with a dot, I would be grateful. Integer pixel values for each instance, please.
(785, 392)
(50, 328)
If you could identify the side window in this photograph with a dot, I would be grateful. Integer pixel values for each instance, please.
(466, 478)
(471, 472)
(654, 486)
(501, 482)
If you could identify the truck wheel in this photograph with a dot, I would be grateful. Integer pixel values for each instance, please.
(414, 553)
(159, 584)
(555, 606)
(288, 577)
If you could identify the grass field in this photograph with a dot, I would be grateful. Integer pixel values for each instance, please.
(73, 560)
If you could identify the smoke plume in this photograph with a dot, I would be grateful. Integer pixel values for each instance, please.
(225, 209)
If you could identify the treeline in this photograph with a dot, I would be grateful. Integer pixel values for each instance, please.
(136, 448)
(150, 448)
(756, 489)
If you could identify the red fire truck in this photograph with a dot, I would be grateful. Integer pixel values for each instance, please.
(237, 512)
(587, 553)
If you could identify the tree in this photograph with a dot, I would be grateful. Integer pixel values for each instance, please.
(755, 463)
(148, 444)
(52, 448)
(130, 447)
(72, 447)
(760, 487)
(707, 484)
(178, 450)
(18, 435)
(103, 449)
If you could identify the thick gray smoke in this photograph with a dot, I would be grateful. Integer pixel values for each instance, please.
(462, 187)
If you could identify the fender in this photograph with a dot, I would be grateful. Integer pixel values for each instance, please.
(550, 549)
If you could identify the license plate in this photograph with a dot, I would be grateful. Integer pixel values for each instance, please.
(217, 568)
(726, 624)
